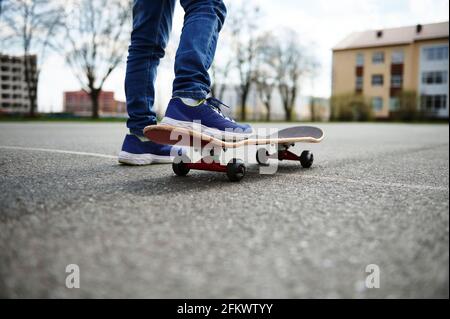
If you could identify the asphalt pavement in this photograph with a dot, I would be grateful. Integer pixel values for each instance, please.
(376, 194)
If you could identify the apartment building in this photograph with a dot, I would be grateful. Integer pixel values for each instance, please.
(13, 85)
(380, 64)
(79, 103)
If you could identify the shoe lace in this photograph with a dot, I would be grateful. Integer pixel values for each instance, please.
(216, 104)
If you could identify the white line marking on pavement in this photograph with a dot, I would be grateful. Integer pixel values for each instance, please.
(58, 151)
(325, 178)
(374, 183)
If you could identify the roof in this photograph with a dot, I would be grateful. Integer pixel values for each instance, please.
(394, 36)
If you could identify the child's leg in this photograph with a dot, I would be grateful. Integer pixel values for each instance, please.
(152, 23)
(203, 21)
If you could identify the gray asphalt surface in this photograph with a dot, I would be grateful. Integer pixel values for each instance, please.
(377, 194)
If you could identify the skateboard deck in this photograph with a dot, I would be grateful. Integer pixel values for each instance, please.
(167, 134)
(211, 148)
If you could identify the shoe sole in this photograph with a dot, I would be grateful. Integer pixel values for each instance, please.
(143, 159)
(216, 133)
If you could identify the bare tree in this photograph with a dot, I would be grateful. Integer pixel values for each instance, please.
(32, 26)
(292, 65)
(243, 24)
(313, 71)
(219, 76)
(97, 34)
(266, 73)
(312, 106)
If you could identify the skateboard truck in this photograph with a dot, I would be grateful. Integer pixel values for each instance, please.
(306, 158)
(235, 169)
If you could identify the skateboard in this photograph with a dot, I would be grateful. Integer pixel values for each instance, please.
(211, 147)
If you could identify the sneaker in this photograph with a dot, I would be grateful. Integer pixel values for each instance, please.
(208, 117)
(143, 152)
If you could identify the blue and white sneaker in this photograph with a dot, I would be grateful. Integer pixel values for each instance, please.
(140, 151)
(207, 117)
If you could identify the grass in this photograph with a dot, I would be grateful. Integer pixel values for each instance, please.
(45, 118)
(69, 118)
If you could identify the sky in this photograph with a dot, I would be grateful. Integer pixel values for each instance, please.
(320, 23)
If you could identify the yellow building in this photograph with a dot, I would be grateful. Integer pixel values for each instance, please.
(381, 64)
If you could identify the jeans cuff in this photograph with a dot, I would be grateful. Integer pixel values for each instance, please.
(137, 132)
(197, 95)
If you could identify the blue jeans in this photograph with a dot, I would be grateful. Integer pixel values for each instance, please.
(152, 24)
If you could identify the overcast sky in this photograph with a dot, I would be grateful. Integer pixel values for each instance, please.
(322, 22)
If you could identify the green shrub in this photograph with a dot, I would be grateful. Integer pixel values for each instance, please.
(350, 107)
(407, 107)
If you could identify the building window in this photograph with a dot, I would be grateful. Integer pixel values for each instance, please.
(378, 58)
(360, 59)
(398, 57)
(396, 81)
(436, 53)
(377, 80)
(434, 77)
(434, 102)
(394, 104)
(440, 101)
(359, 82)
(377, 104)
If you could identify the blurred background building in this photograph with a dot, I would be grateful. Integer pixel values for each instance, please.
(79, 103)
(384, 64)
(13, 83)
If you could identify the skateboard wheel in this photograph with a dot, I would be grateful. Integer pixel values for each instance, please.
(306, 159)
(179, 166)
(262, 156)
(235, 170)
